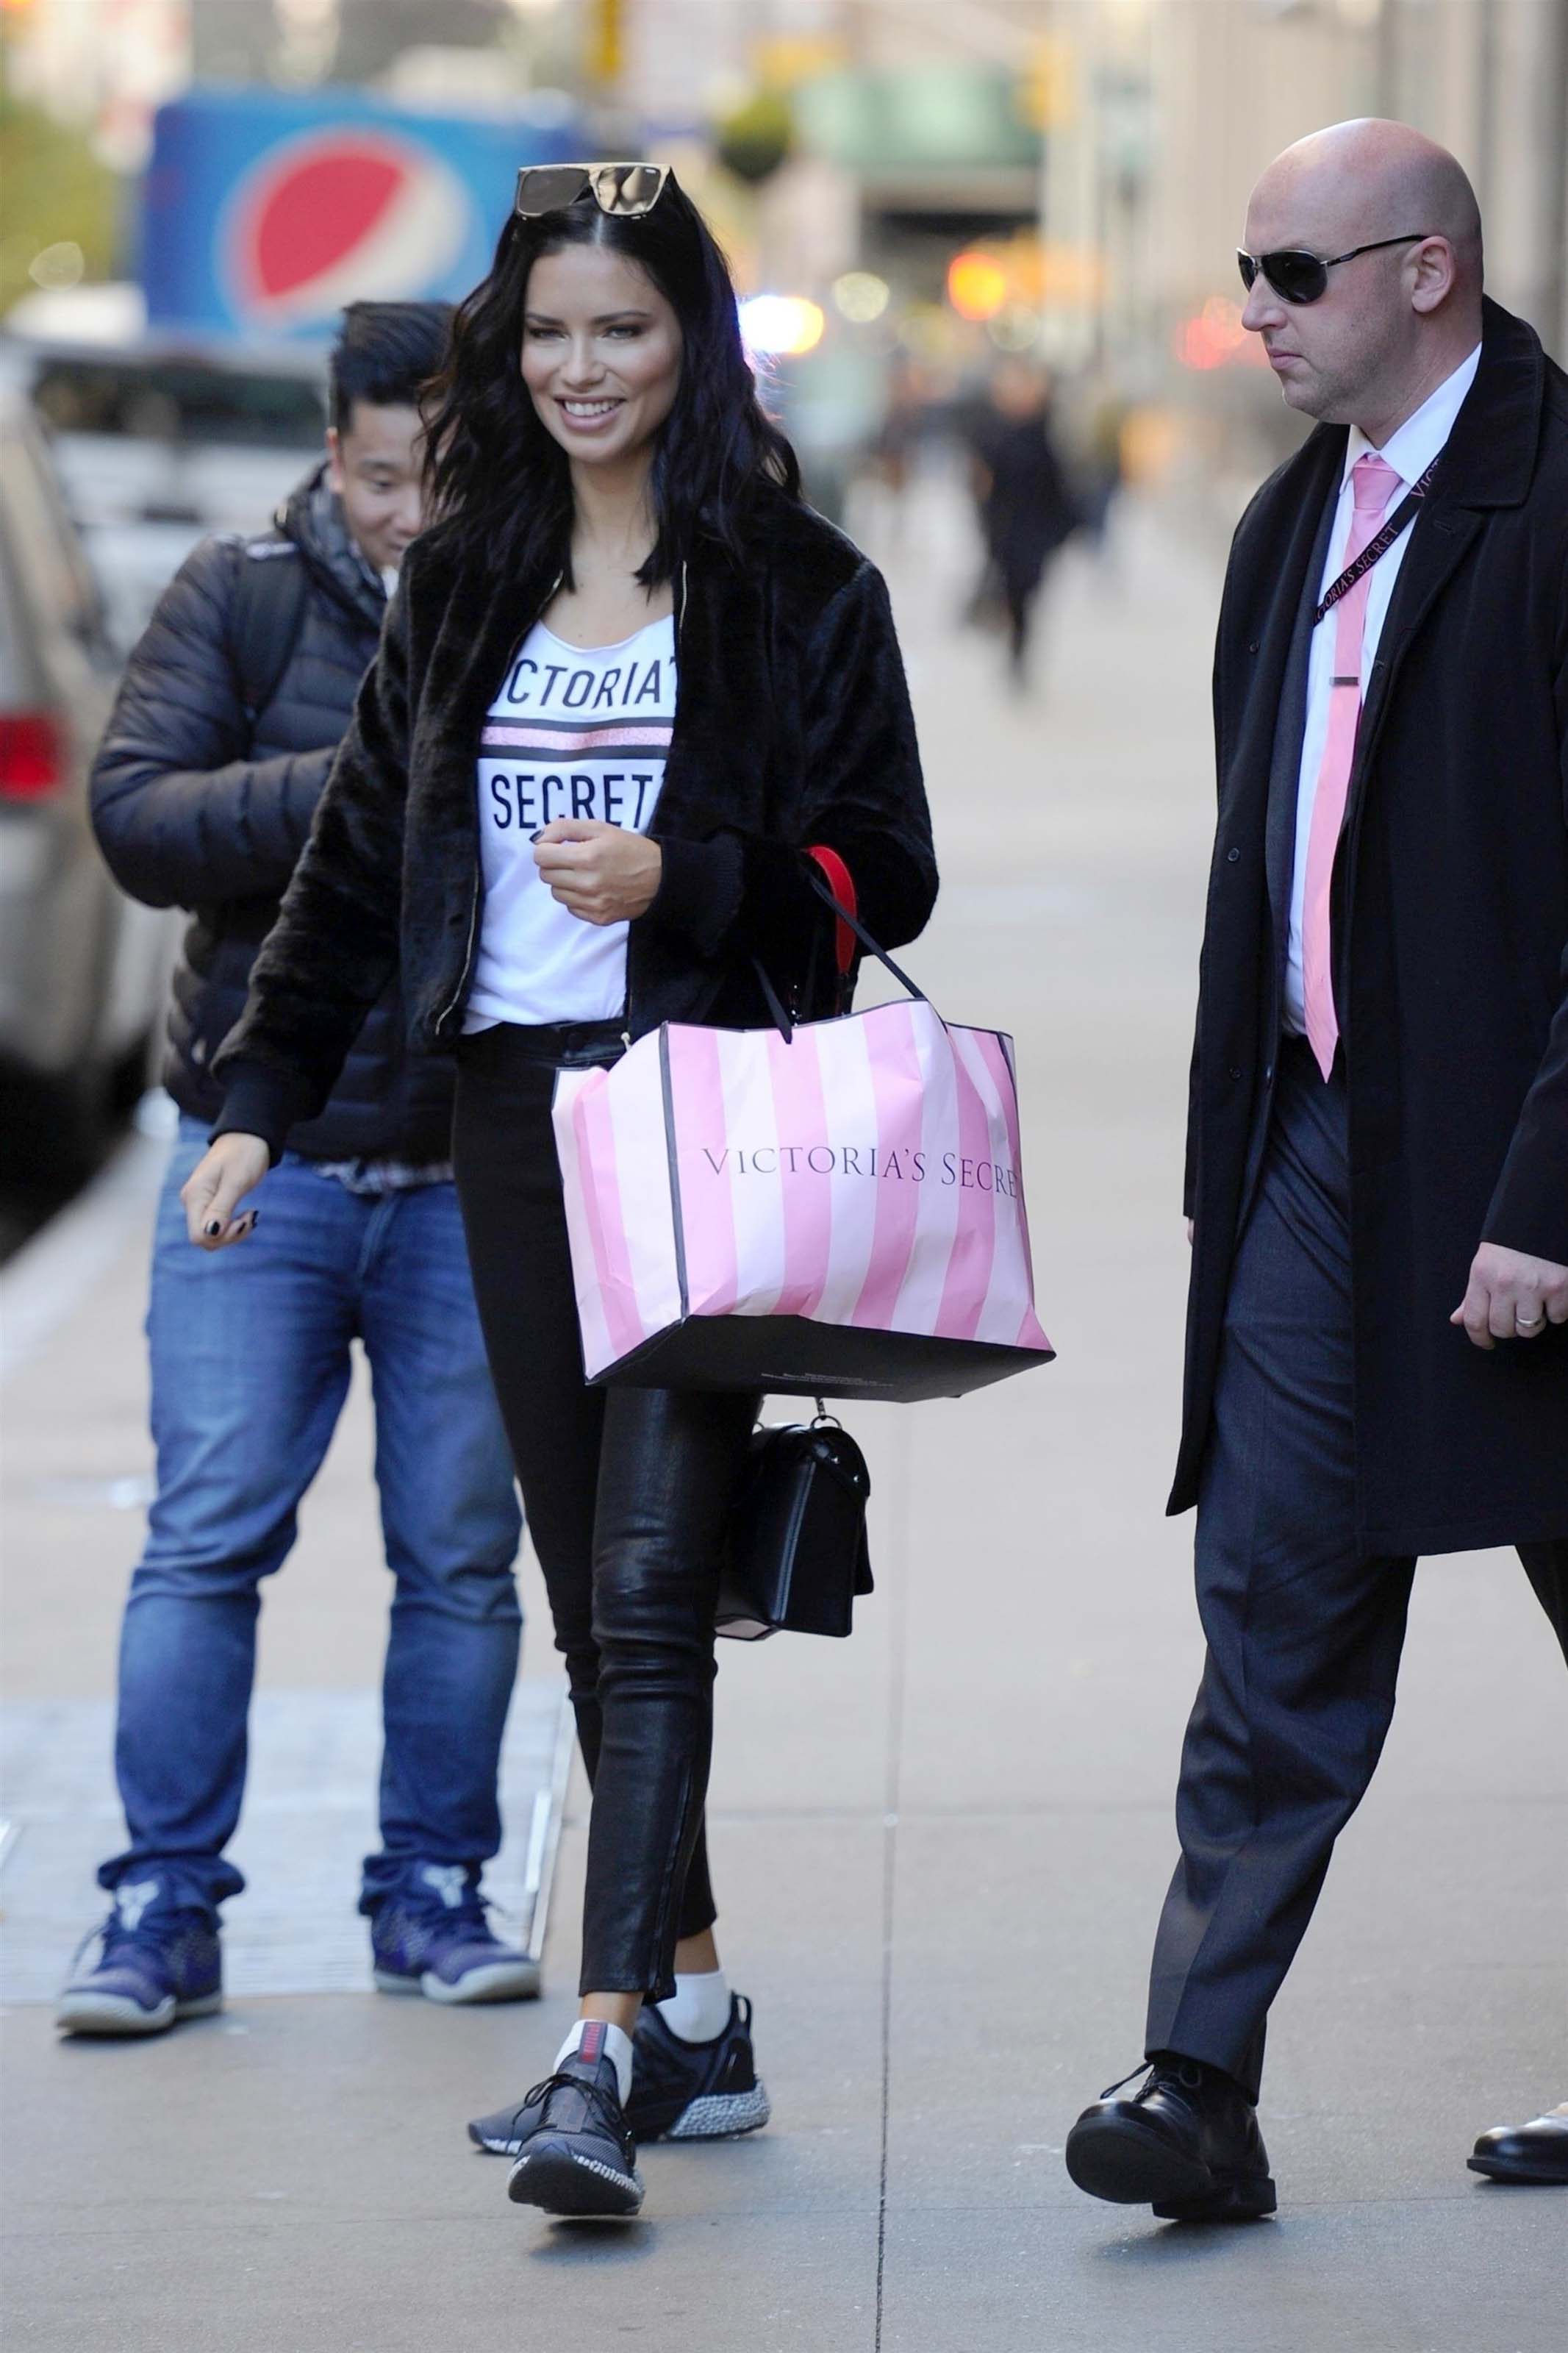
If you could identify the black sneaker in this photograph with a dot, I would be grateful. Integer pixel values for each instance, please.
(575, 2153)
(1186, 2144)
(695, 2091)
(680, 2091)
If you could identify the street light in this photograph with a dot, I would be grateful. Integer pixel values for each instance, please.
(976, 285)
(860, 296)
(781, 326)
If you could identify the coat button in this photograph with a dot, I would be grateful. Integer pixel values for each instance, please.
(1231, 856)
(1235, 1072)
(1253, 645)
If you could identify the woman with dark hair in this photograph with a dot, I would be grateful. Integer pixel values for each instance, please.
(627, 681)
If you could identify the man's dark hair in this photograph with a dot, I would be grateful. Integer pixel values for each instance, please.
(386, 353)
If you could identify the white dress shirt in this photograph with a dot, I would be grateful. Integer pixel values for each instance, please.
(1409, 451)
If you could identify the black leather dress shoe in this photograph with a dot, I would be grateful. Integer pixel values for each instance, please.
(1537, 2151)
(1186, 2143)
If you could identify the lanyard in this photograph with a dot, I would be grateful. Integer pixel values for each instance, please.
(1380, 545)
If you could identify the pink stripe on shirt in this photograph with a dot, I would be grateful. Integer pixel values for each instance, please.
(572, 742)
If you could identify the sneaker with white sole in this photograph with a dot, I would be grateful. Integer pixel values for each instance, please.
(680, 2091)
(696, 2091)
(575, 2155)
(437, 1941)
(154, 1966)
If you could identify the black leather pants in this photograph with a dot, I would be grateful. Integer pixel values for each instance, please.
(626, 1492)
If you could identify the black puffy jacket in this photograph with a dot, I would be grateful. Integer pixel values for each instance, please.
(197, 804)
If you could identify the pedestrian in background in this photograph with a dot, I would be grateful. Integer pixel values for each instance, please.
(222, 738)
(628, 678)
(1104, 471)
(1377, 1358)
(1026, 510)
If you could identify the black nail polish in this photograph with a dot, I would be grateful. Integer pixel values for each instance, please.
(537, 837)
(214, 1229)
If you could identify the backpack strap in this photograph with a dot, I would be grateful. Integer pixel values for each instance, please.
(270, 599)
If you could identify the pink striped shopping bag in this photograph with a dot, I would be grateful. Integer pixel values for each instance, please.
(836, 1213)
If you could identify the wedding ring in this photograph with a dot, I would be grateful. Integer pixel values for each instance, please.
(1528, 1324)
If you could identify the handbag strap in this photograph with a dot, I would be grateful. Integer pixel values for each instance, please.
(841, 882)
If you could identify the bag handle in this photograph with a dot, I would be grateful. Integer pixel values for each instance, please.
(777, 1013)
(848, 922)
(851, 920)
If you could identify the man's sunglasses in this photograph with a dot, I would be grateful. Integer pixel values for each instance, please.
(626, 191)
(1304, 277)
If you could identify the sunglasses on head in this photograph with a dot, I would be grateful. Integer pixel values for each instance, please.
(1297, 277)
(624, 191)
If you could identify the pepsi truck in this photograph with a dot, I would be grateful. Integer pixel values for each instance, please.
(265, 211)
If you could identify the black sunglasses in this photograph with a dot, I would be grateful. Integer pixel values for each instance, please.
(626, 191)
(1304, 277)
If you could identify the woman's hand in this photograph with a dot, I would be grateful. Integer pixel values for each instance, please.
(600, 873)
(215, 1186)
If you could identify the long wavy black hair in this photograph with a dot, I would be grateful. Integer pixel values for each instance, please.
(500, 489)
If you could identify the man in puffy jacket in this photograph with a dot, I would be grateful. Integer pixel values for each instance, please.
(223, 735)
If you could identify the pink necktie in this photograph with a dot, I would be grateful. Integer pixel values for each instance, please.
(1372, 483)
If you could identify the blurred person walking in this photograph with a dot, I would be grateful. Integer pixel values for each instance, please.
(1103, 474)
(628, 678)
(1025, 507)
(222, 738)
(1380, 1091)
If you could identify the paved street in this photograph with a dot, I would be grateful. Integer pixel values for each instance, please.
(939, 1848)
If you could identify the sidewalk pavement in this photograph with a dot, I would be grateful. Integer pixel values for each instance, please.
(941, 1847)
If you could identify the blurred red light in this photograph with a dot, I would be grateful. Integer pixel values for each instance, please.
(1214, 337)
(32, 755)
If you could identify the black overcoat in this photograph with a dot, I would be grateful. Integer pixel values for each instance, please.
(792, 727)
(1450, 930)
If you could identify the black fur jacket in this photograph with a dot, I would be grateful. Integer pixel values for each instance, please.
(792, 727)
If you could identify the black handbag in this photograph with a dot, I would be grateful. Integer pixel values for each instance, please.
(797, 1554)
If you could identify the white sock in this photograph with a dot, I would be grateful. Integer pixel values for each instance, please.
(698, 2008)
(616, 2045)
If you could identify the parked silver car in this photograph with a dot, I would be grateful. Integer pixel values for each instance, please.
(157, 442)
(82, 968)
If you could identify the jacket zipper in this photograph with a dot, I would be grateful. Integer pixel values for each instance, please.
(447, 1010)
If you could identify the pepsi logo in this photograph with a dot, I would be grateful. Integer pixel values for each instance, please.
(345, 215)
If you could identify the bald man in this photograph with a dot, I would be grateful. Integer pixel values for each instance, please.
(1377, 1360)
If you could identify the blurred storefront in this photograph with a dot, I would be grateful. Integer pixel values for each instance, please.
(1097, 154)
(1084, 162)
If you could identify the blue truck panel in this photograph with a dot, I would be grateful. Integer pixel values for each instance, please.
(264, 212)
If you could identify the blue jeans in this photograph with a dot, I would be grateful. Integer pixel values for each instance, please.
(250, 1363)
